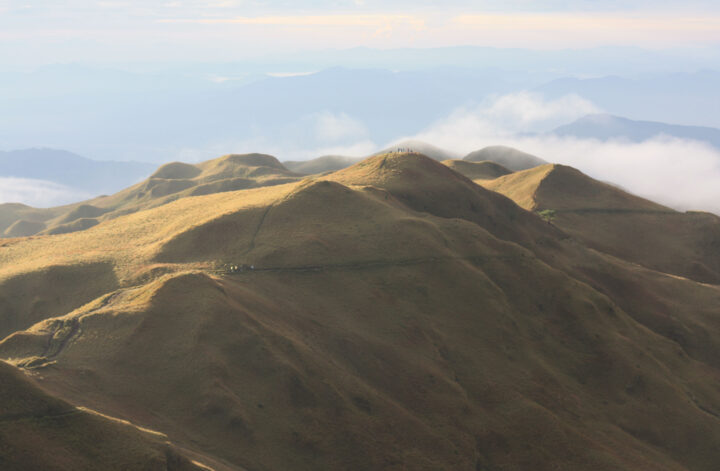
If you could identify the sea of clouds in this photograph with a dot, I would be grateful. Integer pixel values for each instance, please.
(683, 174)
(680, 173)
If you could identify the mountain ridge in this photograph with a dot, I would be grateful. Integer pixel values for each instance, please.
(390, 315)
(606, 126)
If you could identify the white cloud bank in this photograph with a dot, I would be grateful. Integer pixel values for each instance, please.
(679, 173)
(37, 193)
(682, 174)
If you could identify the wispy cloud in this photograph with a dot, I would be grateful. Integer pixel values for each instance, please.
(374, 20)
(642, 26)
(505, 115)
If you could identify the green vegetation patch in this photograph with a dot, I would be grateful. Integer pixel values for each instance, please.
(547, 214)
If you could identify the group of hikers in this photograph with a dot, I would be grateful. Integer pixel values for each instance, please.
(402, 150)
(239, 268)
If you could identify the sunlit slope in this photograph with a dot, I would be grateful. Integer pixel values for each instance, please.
(396, 316)
(170, 182)
(427, 186)
(614, 221)
(51, 275)
(38, 431)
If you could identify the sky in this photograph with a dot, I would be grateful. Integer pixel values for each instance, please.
(103, 106)
(36, 32)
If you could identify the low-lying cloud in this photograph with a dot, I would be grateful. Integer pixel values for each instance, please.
(37, 193)
(679, 173)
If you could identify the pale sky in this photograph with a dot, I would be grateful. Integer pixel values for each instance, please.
(47, 31)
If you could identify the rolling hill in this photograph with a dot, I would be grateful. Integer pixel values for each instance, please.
(168, 183)
(508, 157)
(484, 170)
(609, 219)
(391, 315)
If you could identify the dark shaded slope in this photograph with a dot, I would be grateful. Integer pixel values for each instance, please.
(327, 163)
(485, 170)
(508, 157)
(38, 431)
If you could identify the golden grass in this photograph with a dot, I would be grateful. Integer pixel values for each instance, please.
(611, 220)
(399, 317)
(39, 431)
(170, 182)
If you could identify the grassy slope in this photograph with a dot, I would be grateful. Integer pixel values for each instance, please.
(399, 317)
(609, 219)
(170, 182)
(38, 431)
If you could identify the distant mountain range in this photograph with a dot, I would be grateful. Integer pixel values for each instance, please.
(605, 126)
(198, 115)
(691, 98)
(72, 170)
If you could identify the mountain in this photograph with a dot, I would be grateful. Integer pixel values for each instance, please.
(606, 218)
(484, 170)
(390, 315)
(416, 146)
(72, 170)
(168, 183)
(691, 98)
(508, 157)
(327, 163)
(605, 126)
(166, 117)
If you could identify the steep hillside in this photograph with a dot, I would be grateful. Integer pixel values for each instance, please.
(391, 315)
(170, 182)
(609, 219)
(508, 157)
(38, 431)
